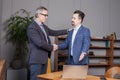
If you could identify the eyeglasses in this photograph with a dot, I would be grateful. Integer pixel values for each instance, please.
(46, 15)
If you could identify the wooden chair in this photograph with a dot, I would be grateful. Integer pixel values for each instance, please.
(49, 66)
(113, 72)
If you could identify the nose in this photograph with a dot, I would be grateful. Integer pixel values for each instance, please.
(72, 19)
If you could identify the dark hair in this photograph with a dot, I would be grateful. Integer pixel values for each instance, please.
(39, 10)
(80, 14)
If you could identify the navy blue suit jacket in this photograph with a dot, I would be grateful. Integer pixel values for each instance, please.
(39, 48)
(81, 44)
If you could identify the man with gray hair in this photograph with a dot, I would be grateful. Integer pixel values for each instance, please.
(40, 46)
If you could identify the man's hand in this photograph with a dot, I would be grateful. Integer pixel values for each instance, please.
(82, 56)
(55, 47)
(69, 29)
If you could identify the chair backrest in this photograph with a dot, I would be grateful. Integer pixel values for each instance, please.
(113, 72)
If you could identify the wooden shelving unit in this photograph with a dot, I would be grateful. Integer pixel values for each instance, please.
(108, 51)
(98, 65)
(61, 58)
(116, 48)
(99, 47)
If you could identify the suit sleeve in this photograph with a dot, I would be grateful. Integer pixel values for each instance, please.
(34, 37)
(86, 42)
(56, 32)
(63, 45)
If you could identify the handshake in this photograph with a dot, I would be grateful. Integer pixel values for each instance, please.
(55, 47)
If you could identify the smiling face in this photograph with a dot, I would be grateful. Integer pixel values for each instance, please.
(76, 20)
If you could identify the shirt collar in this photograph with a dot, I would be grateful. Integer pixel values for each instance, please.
(39, 23)
(77, 27)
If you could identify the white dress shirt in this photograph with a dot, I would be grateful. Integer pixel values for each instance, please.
(73, 37)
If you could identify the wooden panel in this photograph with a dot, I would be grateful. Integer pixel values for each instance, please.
(2, 70)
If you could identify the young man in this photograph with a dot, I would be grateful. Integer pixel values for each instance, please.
(78, 41)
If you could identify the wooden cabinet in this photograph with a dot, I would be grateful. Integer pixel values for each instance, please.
(107, 57)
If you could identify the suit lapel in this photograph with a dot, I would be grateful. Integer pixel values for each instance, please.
(78, 33)
(70, 38)
(37, 27)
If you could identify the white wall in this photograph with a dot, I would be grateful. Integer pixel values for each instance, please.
(114, 17)
(60, 12)
(6, 49)
(0, 22)
(102, 16)
(10, 7)
(97, 16)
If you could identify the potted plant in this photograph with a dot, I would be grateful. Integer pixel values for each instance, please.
(17, 34)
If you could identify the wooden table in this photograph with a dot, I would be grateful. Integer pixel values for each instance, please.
(57, 76)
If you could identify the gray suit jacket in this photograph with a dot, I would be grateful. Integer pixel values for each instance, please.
(40, 49)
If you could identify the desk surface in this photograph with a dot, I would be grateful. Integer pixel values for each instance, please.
(57, 76)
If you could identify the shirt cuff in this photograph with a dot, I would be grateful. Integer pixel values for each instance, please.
(84, 53)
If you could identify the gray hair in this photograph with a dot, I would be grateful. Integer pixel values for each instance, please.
(39, 10)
